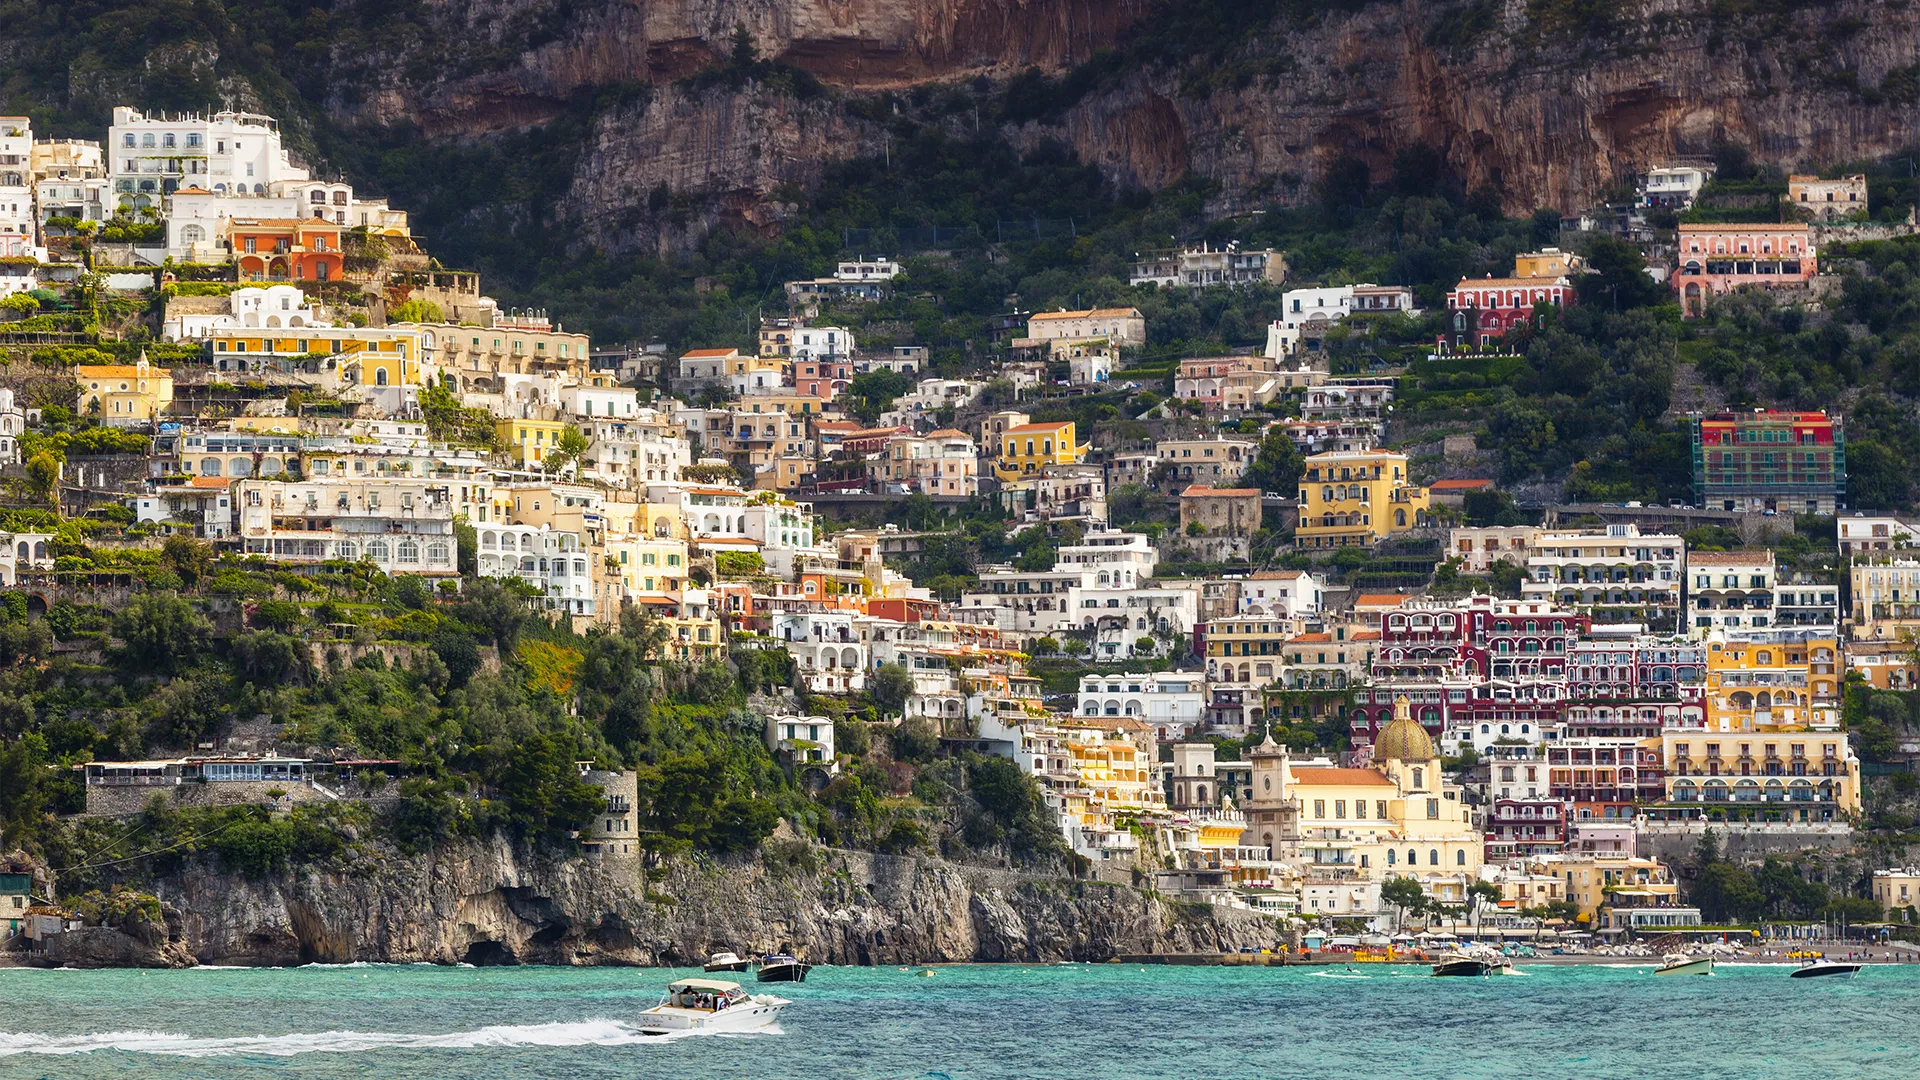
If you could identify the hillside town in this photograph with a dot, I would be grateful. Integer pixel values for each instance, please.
(1255, 645)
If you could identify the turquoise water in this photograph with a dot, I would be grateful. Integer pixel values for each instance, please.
(1107, 1022)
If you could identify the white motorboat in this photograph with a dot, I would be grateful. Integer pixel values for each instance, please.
(1461, 964)
(1682, 964)
(1814, 969)
(711, 1005)
(726, 961)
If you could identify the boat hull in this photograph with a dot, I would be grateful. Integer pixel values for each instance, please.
(736, 965)
(1462, 968)
(755, 1015)
(1702, 966)
(1816, 971)
(783, 972)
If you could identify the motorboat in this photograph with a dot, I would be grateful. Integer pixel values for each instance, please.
(711, 1005)
(1461, 964)
(726, 961)
(1682, 964)
(780, 967)
(1813, 969)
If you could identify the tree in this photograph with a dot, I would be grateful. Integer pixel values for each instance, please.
(1404, 893)
(458, 651)
(417, 311)
(890, 686)
(43, 476)
(20, 303)
(188, 558)
(1277, 466)
(161, 633)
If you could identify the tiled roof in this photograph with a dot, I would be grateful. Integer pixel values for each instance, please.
(1091, 313)
(1340, 777)
(1201, 491)
(1459, 485)
(707, 354)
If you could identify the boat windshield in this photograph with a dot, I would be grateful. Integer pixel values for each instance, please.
(705, 1000)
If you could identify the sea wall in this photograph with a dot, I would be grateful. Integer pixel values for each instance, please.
(1742, 841)
(496, 902)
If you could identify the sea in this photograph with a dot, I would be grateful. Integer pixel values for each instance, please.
(1003, 1021)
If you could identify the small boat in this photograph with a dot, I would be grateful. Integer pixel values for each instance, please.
(1814, 969)
(780, 967)
(1682, 964)
(1506, 967)
(1460, 964)
(726, 961)
(924, 973)
(710, 1005)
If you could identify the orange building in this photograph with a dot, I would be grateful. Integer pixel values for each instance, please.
(286, 249)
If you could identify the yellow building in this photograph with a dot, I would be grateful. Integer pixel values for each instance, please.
(527, 442)
(1886, 597)
(1596, 882)
(1897, 889)
(1547, 263)
(650, 565)
(1115, 770)
(1767, 776)
(1357, 497)
(371, 356)
(122, 395)
(1247, 648)
(1348, 827)
(1029, 448)
(1773, 680)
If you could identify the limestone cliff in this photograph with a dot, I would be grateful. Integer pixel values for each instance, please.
(497, 903)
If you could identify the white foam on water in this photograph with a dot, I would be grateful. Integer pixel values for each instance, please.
(584, 1033)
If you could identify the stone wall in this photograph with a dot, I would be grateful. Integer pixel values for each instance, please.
(107, 800)
(1742, 842)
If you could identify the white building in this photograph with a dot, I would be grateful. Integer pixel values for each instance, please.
(1861, 533)
(827, 649)
(1615, 574)
(1674, 186)
(1289, 594)
(1307, 314)
(808, 738)
(1729, 590)
(553, 561)
(1207, 267)
(16, 177)
(227, 153)
(401, 525)
(1169, 701)
(13, 423)
(822, 343)
(70, 179)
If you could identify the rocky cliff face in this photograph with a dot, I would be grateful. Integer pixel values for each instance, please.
(490, 903)
(1545, 115)
(1549, 110)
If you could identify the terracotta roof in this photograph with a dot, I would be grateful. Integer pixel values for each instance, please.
(1340, 777)
(1508, 282)
(1091, 313)
(1459, 485)
(707, 354)
(1201, 491)
(117, 371)
(1381, 599)
(1311, 639)
(1365, 635)
(1278, 575)
(948, 433)
(1729, 558)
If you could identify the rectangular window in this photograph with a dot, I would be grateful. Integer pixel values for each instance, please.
(1320, 808)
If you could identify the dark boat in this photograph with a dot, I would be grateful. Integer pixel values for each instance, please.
(726, 961)
(1814, 969)
(1465, 966)
(779, 967)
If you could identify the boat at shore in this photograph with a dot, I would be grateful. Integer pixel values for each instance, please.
(1814, 969)
(726, 961)
(1682, 964)
(1460, 964)
(780, 967)
(711, 1005)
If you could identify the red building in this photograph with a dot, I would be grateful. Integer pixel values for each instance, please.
(1479, 661)
(1482, 310)
(1605, 778)
(1524, 827)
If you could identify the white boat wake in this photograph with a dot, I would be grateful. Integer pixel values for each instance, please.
(584, 1033)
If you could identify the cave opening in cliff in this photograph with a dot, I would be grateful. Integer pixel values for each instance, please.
(490, 954)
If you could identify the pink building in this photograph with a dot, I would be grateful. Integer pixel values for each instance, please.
(1482, 310)
(1721, 258)
(825, 378)
(1204, 378)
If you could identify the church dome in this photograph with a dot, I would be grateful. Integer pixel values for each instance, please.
(1403, 737)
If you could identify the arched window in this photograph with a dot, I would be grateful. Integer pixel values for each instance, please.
(348, 550)
(1460, 857)
(380, 377)
(1433, 856)
(377, 550)
(409, 551)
